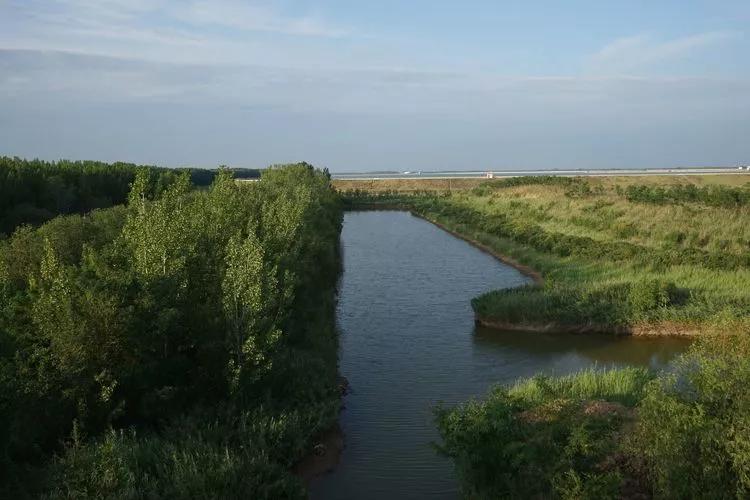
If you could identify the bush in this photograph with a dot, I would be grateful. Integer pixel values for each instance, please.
(543, 438)
(650, 294)
(694, 429)
(142, 316)
(192, 461)
(576, 185)
(715, 196)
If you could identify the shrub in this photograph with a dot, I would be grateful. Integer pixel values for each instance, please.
(198, 459)
(542, 438)
(489, 186)
(715, 196)
(694, 429)
(650, 294)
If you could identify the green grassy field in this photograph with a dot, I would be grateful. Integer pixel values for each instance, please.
(610, 260)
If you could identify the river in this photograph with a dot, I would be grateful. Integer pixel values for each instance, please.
(408, 342)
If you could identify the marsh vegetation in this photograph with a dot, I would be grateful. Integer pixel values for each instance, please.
(609, 262)
(629, 256)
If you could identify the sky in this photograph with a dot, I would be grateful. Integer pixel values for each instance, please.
(386, 85)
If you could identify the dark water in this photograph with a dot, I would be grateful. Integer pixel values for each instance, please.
(408, 342)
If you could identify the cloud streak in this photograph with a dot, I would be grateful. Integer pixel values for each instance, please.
(250, 17)
(640, 52)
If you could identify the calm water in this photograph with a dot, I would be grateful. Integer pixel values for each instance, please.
(408, 342)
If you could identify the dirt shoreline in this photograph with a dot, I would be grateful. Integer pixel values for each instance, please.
(324, 456)
(523, 269)
(663, 329)
(326, 452)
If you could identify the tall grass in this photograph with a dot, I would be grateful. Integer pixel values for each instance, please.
(623, 385)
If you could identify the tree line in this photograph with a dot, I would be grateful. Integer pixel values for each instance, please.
(181, 345)
(35, 191)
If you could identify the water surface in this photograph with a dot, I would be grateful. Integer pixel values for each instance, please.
(408, 342)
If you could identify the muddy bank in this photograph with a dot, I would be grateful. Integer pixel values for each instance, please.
(326, 450)
(661, 329)
(324, 456)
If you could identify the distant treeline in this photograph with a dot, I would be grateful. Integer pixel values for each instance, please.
(715, 196)
(35, 191)
(181, 345)
(575, 186)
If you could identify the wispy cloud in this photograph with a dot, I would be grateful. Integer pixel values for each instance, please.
(173, 31)
(253, 17)
(66, 22)
(188, 32)
(640, 52)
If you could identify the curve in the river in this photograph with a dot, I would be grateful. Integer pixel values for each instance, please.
(408, 342)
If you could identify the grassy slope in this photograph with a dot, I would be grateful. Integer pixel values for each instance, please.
(649, 290)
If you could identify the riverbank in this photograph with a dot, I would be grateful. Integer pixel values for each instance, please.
(404, 315)
(602, 260)
(635, 259)
(639, 330)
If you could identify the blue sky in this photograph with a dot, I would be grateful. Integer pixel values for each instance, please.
(391, 84)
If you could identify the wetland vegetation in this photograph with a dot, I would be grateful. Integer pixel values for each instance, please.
(637, 256)
(610, 263)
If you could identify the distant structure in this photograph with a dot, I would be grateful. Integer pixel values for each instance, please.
(489, 175)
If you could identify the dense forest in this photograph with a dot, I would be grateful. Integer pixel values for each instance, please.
(34, 191)
(631, 256)
(180, 345)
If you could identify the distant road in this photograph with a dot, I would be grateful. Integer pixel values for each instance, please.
(521, 173)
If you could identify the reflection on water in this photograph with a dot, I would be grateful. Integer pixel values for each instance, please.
(408, 342)
(564, 351)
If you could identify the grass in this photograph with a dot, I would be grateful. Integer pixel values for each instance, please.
(543, 437)
(610, 263)
(624, 386)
